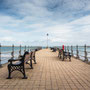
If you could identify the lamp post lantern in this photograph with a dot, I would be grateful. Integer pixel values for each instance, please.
(47, 39)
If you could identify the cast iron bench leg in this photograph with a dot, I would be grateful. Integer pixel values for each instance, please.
(9, 72)
(35, 60)
(25, 77)
(63, 58)
(31, 64)
(69, 58)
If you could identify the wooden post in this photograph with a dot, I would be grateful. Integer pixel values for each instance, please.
(0, 56)
(72, 50)
(85, 52)
(77, 52)
(20, 51)
(12, 53)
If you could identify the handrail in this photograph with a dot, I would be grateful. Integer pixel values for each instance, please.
(81, 51)
(81, 56)
(14, 52)
(6, 52)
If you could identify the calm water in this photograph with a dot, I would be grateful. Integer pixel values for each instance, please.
(6, 52)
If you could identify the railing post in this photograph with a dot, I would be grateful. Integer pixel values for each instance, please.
(20, 51)
(68, 48)
(65, 48)
(0, 56)
(25, 49)
(72, 50)
(28, 48)
(77, 52)
(85, 52)
(12, 53)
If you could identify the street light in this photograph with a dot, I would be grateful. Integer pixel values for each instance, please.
(47, 39)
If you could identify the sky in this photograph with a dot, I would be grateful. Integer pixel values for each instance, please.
(27, 22)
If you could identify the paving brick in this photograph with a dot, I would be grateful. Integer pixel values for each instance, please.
(50, 73)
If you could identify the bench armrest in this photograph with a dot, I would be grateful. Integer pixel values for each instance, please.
(13, 60)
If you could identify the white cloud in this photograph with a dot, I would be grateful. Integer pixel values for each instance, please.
(35, 18)
(7, 39)
(6, 20)
(82, 21)
(35, 26)
(65, 34)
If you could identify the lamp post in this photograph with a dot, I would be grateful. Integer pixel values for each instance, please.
(47, 39)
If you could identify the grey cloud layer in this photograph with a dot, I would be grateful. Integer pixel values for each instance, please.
(45, 7)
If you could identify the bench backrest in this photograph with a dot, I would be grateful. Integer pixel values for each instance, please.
(33, 53)
(23, 57)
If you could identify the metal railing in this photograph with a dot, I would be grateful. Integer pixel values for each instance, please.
(79, 52)
(11, 53)
(14, 52)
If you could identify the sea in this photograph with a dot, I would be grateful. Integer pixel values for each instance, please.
(6, 52)
(81, 51)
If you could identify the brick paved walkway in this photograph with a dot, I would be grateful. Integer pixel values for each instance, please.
(50, 73)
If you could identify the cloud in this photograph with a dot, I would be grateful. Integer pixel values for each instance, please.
(28, 21)
(7, 39)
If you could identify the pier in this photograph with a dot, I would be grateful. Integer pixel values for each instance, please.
(50, 73)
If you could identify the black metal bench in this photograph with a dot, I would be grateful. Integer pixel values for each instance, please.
(32, 57)
(64, 55)
(29, 61)
(53, 49)
(67, 55)
(19, 65)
